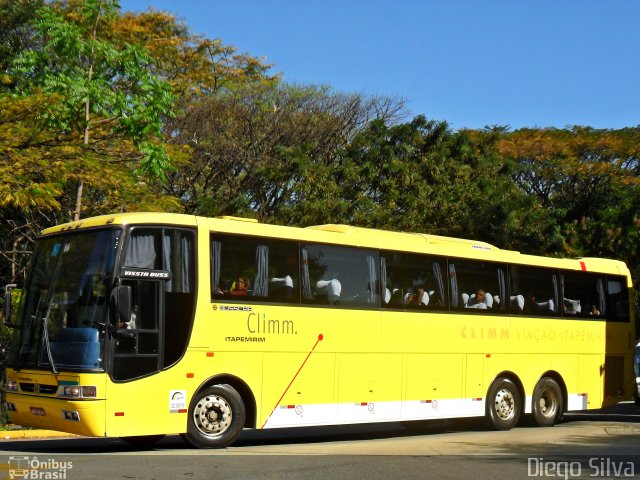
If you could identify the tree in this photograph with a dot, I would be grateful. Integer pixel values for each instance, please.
(102, 101)
(194, 65)
(252, 147)
(418, 176)
(588, 182)
(16, 33)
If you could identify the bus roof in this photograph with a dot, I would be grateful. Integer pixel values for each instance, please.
(340, 234)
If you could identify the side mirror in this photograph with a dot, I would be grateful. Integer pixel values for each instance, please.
(123, 299)
(7, 304)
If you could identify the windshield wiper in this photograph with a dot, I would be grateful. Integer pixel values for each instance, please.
(49, 304)
(45, 339)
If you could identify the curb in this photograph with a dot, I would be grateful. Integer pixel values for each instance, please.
(14, 434)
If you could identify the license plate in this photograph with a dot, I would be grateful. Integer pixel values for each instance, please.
(37, 411)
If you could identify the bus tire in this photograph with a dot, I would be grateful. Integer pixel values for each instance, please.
(216, 417)
(504, 404)
(546, 402)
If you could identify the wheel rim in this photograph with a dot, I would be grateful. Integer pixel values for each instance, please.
(548, 403)
(212, 415)
(505, 404)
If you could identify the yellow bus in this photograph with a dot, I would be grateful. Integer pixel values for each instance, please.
(144, 324)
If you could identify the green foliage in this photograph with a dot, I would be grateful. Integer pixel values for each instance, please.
(102, 89)
(587, 179)
(15, 33)
(254, 148)
(93, 113)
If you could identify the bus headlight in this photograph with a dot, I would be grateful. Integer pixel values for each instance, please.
(11, 386)
(76, 391)
(89, 392)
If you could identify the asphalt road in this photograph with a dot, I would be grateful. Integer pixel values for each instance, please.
(595, 445)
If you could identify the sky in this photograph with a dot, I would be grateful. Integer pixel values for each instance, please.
(515, 63)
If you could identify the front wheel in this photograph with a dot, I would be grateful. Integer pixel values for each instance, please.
(216, 417)
(546, 402)
(504, 404)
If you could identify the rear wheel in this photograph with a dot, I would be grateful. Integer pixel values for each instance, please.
(546, 402)
(504, 404)
(216, 417)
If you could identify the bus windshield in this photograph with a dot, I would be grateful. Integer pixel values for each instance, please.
(63, 310)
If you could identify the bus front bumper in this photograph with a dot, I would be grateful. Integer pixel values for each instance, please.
(84, 417)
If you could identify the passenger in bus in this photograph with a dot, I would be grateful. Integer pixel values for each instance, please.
(532, 306)
(434, 299)
(479, 300)
(418, 298)
(594, 311)
(240, 288)
(122, 325)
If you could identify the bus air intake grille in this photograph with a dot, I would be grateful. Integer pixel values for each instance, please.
(38, 388)
(613, 376)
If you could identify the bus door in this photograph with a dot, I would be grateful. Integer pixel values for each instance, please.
(150, 327)
(137, 340)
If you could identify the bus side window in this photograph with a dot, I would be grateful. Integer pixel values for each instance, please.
(233, 266)
(583, 295)
(262, 269)
(282, 273)
(179, 291)
(480, 286)
(413, 281)
(617, 299)
(533, 291)
(335, 275)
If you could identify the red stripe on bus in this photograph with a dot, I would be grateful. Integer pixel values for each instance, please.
(583, 266)
(320, 338)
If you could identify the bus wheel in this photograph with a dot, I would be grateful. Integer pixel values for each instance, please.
(216, 417)
(546, 402)
(503, 404)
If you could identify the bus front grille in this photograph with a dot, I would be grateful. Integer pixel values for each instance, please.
(38, 388)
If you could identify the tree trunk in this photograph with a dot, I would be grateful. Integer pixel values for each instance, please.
(76, 213)
(87, 117)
